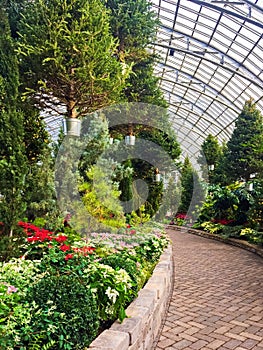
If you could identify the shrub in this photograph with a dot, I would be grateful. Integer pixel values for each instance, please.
(66, 311)
(112, 288)
(127, 261)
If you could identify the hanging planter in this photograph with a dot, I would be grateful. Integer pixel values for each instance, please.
(72, 126)
(157, 176)
(130, 140)
(211, 167)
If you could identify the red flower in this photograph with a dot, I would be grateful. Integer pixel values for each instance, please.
(32, 239)
(60, 238)
(132, 232)
(84, 250)
(68, 256)
(64, 247)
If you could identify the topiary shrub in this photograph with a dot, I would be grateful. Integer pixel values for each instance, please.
(66, 311)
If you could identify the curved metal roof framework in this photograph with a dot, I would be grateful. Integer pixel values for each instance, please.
(210, 63)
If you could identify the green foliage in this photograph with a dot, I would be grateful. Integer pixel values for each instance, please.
(211, 155)
(243, 156)
(255, 212)
(101, 205)
(142, 84)
(227, 202)
(132, 22)
(211, 227)
(40, 188)
(60, 300)
(36, 137)
(67, 52)
(112, 289)
(136, 218)
(127, 261)
(13, 163)
(125, 185)
(15, 278)
(65, 304)
(10, 247)
(192, 191)
(252, 235)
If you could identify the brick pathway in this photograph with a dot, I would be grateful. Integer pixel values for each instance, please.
(217, 302)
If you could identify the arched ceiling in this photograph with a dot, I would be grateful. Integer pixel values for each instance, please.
(210, 63)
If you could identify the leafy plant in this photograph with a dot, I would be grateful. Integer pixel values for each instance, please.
(112, 288)
(66, 311)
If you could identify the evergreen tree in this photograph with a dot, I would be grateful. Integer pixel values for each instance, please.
(133, 23)
(125, 185)
(13, 164)
(36, 137)
(192, 192)
(68, 55)
(210, 156)
(244, 154)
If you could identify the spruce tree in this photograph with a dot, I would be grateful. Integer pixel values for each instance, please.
(244, 154)
(13, 163)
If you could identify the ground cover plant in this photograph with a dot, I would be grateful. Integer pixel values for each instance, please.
(63, 290)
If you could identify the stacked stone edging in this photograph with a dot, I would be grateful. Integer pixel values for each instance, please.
(145, 314)
(235, 242)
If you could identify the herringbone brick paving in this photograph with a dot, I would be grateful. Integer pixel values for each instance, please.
(217, 301)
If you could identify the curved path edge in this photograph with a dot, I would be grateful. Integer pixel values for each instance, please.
(232, 241)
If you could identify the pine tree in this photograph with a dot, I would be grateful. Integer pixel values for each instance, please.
(68, 55)
(244, 154)
(13, 163)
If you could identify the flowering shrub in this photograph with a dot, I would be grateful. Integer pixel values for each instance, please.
(112, 289)
(252, 235)
(181, 219)
(64, 288)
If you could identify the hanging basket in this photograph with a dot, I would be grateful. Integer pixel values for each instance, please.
(72, 126)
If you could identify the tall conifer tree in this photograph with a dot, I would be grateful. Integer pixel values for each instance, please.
(13, 163)
(244, 153)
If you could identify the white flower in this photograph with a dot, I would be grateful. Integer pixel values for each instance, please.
(122, 277)
(112, 294)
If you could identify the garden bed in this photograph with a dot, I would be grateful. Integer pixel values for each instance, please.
(145, 314)
(63, 291)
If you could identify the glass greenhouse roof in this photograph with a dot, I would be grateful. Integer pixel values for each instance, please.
(210, 63)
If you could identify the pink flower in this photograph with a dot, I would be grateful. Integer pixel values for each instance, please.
(11, 289)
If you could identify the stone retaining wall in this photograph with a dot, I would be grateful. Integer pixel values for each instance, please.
(145, 314)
